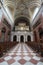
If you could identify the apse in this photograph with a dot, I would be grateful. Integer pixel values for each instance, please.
(22, 23)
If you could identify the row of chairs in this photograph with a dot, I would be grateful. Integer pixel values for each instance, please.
(37, 46)
(5, 46)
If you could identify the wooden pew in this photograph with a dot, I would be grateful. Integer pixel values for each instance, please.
(36, 46)
(1, 51)
(5, 46)
(41, 48)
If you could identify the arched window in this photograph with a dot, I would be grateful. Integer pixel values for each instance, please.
(3, 31)
(41, 34)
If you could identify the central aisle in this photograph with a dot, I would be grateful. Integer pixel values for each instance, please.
(21, 55)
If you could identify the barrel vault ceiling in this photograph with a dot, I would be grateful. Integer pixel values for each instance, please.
(25, 8)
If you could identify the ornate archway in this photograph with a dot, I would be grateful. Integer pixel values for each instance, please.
(28, 38)
(22, 38)
(15, 38)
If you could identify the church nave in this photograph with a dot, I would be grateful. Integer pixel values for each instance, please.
(21, 54)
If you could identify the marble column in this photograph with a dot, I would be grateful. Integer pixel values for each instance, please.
(19, 38)
(24, 38)
(0, 33)
(6, 35)
(38, 38)
(31, 36)
(12, 37)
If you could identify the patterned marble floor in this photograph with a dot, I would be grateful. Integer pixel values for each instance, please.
(21, 55)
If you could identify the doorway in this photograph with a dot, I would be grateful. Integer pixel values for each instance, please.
(41, 34)
(22, 38)
(15, 38)
(3, 34)
(28, 38)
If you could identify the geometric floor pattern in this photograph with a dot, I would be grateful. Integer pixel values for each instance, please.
(21, 55)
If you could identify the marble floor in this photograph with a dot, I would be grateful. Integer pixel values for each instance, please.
(21, 55)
